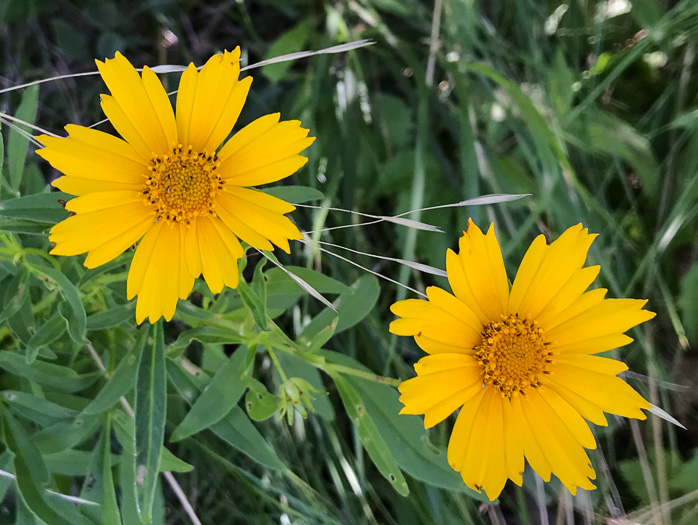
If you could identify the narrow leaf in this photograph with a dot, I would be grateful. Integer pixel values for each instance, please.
(18, 144)
(370, 437)
(150, 415)
(122, 380)
(222, 393)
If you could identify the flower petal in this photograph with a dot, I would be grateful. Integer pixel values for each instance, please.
(477, 275)
(570, 292)
(533, 289)
(86, 231)
(156, 276)
(611, 394)
(93, 161)
(220, 251)
(484, 463)
(444, 383)
(611, 316)
(566, 457)
(131, 110)
(209, 102)
(254, 224)
(424, 318)
(264, 151)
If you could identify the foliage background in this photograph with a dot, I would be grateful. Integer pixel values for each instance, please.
(588, 106)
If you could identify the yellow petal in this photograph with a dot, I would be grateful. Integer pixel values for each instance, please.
(135, 136)
(115, 242)
(211, 101)
(462, 431)
(130, 108)
(161, 104)
(220, 251)
(513, 449)
(157, 275)
(531, 448)
(261, 199)
(593, 346)
(423, 318)
(91, 157)
(186, 96)
(611, 394)
(593, 363)
(586, 408)
(229, 114)
(566, 457)
(569, 416)
(484, 461)
(457, 309)
(141, 259)
(568, 294)
(479, 278)
(235, 211)
(263, 152)
(86, 231)
(192, 252)
(608, 317)
(443, 384)
(559, 263)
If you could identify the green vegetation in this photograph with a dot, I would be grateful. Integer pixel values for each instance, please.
(590, 108)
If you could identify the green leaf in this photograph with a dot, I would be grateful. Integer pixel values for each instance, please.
(295, 194)
(208, 334)
(370, 436)
(171, 463)
(122, 380)
(21, 401)
(42, 208)
(47, 333)
(150, 416)
(124, 428)
(110, 507)
(688, 304)
(112, 317)
(255, 297)
(58, 377)
(238, 431)
(292, 40)
(223, 391)
(279, 283)
(2, 160)
(14, 295)
(259, 403)
(62, 436)
(351, 308)
(235, 428)
(72, 309)
(405, 435)
(18, 144)
(32, 477)
(607, 133)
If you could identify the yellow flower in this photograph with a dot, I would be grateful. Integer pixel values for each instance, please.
(519, 362)
(173, 181)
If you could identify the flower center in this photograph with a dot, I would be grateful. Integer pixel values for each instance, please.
(513, 354)
(181, 185)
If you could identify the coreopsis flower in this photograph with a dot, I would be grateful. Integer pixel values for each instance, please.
(519, 362)
(173, 184)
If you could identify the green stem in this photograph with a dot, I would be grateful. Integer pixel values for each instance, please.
(277, 364)
(329, 368)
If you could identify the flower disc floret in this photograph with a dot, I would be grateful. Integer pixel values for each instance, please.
(182, 185)
(513, 355)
